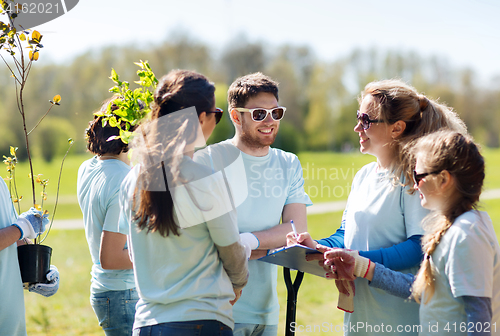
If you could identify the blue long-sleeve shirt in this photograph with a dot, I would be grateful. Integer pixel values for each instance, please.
(397, 257)
(478, 309)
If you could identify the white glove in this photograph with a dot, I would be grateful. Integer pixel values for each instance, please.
(50, 288)
(31, 223)
(249, 242)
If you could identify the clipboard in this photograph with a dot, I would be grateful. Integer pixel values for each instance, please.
(294, 257)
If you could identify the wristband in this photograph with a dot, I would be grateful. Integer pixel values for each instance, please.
(22, 232)
(250, 239)
(361, 264)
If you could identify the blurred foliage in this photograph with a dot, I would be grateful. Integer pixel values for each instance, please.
(224, 129)
(320, 96)
(52, 137)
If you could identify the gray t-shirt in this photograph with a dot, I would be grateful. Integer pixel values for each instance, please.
(466, 263)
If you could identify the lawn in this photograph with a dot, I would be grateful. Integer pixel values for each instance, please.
(69, 312)
(68, 204)
(327, 176)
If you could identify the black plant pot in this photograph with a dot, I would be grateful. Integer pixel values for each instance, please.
(34, 262)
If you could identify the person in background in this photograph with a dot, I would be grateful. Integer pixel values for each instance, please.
(16, 231)
(383, 213)
(267, 188)
(188, 261)
(112, 292)
(458, 284)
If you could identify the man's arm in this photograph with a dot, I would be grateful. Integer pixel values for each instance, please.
(276, 236)
(9, 236)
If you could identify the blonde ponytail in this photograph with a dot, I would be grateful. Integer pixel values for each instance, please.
(396, 100)
(425, 279)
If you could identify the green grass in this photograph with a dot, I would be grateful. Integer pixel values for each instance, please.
(68, 204)
(492, 159)
(328, 176)
(69, 311)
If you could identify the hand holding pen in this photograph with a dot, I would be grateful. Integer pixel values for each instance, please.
(304, 238)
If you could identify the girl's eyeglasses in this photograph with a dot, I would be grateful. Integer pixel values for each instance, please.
(218, 114)
(365, 120)
(418, 177)
(259, 114)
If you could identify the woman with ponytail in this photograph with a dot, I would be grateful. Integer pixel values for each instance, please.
(383, 213)
(189, 265)
(458, 284)
(112, 290)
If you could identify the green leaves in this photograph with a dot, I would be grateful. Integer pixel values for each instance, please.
(114, 76)
(130, 106)
(113, 122)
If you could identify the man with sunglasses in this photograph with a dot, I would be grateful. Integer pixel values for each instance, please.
(272, 182)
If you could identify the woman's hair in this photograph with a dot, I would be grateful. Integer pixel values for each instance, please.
(395, 100)
(178, 90)
(460, 156)
(97, 136)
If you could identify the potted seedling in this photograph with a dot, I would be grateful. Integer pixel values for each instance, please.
(22, 47)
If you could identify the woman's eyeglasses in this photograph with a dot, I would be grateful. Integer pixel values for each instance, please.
(259, 114)
(365, 120)
(218, 114)
(418, 177)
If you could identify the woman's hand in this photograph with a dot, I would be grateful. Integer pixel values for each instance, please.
(237, 292)
(340, 262)
(337, 263)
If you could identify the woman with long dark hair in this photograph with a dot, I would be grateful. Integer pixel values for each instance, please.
(188, 262)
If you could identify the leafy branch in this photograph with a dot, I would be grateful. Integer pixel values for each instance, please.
(12, 41)
(130, 106)
(11, 163)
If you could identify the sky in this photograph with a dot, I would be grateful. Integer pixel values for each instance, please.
(465, 32)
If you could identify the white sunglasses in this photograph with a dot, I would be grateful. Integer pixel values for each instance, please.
(259, 114)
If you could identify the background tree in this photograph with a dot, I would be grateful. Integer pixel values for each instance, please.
(320, 96)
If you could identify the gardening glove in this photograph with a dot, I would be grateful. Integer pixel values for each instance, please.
(50, 288)
(249, 242)
(348, 263)
(31, 223)
(346, 295)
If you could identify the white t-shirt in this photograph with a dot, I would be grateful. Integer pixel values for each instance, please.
(98, 185)
(380, 215)
(466, 263)
(12, 321)
(260, 188)
(181, 278)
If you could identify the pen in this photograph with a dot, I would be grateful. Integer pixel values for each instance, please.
(294, 229)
